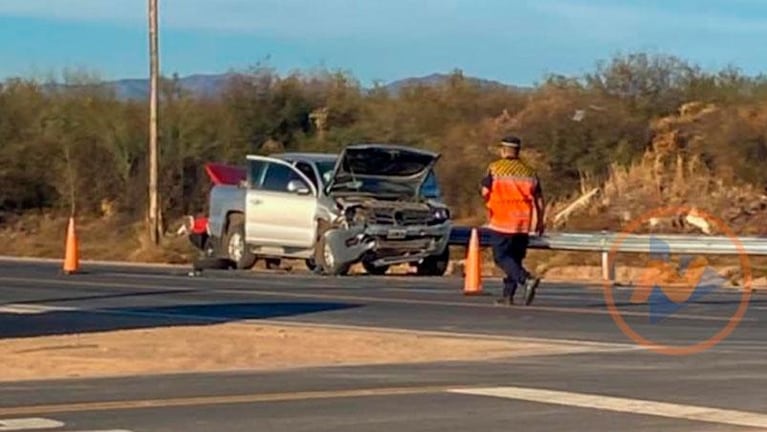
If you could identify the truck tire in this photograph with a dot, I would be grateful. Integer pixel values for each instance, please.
(373, 270)
(311, 264)
(236, 248)
(435, 265)
(273, 263)
(211, 263)
(324, 258)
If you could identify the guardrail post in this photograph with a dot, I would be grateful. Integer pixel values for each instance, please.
(608, 268)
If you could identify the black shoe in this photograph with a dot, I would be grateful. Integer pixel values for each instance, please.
(504, 301)
(530, 286)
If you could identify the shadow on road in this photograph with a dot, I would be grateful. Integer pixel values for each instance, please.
(64, 322)
(98, 297)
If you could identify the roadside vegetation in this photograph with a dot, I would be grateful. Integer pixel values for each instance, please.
(638, 132)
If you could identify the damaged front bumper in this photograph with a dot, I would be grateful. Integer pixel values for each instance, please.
(387, 244)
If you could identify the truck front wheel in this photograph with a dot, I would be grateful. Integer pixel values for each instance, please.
(237, 249)
(323, 255)
(435, 265)
(373, 270)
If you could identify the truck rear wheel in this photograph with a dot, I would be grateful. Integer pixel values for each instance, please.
(311, 264)
(236, 248)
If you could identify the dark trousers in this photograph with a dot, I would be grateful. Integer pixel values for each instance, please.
(198, 240)
(509, 250)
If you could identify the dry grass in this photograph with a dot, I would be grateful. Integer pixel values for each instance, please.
(44, 236)
(667, 176)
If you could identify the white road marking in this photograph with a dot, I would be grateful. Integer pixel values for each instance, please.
(21, 424)
(30, 309)
(625, 405)
(10, 309)
(25, 424)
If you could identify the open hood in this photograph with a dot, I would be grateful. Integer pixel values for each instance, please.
(381, 169)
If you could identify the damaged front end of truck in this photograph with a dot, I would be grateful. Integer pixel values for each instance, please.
(387, 211)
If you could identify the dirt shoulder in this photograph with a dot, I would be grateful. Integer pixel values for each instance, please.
(239, 346)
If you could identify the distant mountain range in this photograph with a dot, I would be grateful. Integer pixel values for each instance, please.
(210, 85)
(437, 79)
(199, 85)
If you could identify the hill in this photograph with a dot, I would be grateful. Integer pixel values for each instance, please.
(199, 85)
(210, 85)
(437, 79)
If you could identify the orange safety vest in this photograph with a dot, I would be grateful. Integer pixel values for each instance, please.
(510, 204)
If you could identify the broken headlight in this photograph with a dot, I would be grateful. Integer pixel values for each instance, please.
(440, 214)
(354, 216)
(349, 214)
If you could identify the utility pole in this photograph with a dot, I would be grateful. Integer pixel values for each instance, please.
(154, 69)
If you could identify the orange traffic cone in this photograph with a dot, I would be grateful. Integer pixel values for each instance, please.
(473, 270)
(72, 257)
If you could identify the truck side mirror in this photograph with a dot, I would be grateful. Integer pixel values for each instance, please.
(298, 187)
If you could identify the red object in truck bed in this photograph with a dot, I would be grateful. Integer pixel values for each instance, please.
(221, 174)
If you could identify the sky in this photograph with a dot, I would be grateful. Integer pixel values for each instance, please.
(513, 41)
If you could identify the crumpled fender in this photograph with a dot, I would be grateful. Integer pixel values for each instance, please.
(341, 243)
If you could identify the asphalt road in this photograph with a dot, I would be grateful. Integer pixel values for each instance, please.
(721, 388)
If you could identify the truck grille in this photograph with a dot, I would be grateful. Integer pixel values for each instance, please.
(400, 217)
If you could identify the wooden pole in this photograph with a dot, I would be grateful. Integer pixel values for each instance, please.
(70, 180)
(154, 210)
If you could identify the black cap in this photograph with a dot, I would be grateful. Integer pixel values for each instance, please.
(511, 141)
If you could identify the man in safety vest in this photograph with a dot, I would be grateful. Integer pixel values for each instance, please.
(513, 195)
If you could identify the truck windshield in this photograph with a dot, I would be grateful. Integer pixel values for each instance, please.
(430, 188)
(326, 170)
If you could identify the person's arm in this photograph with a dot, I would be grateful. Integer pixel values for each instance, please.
(487, 183)
(540, 209)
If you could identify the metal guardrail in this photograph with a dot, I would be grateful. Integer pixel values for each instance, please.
(631, 243)
(607, 242)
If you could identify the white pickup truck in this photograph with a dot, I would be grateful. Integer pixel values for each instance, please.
(375, 204)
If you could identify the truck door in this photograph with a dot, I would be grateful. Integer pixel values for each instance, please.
(281, 205)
